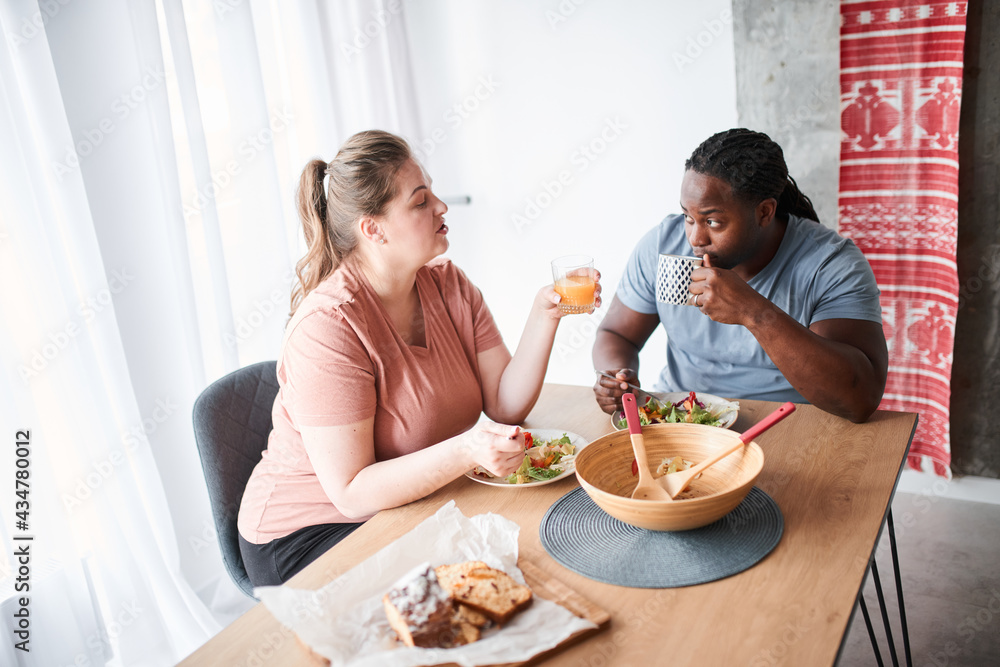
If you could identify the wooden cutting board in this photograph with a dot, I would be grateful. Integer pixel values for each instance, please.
(544, 586)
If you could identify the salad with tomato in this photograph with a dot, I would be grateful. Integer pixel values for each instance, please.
(689, 410)
(543, 460)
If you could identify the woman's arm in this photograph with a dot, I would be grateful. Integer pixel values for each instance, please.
(359, 486)
(511, 385)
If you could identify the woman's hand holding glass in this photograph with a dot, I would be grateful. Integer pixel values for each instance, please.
(549, 300)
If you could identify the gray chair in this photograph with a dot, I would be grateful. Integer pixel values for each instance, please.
(232, 420)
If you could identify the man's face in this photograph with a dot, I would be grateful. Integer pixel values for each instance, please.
(716, 223)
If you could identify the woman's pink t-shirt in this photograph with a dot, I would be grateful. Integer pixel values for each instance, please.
(342, 361)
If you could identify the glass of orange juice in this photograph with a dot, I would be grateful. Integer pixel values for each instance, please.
(574, 282)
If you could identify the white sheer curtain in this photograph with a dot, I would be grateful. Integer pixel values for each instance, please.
(148, 157)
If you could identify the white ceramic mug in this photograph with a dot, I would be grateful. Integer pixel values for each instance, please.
(673, 279)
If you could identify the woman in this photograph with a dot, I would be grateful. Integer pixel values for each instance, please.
(388, 360)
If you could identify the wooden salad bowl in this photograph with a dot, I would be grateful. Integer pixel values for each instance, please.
(604, 468)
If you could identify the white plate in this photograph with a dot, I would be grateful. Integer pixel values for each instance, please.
(727, 418)
(541, 434)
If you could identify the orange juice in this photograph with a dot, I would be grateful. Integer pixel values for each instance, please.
(577, 293)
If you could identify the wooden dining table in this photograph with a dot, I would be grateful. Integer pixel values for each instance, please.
(832, 479)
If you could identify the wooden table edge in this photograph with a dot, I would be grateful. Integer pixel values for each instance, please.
(878, 537)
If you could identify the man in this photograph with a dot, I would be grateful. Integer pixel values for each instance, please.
(785, 309)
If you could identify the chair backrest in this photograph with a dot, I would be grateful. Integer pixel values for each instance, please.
(232, 420)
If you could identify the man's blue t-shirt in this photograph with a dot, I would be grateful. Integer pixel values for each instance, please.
(815, 275)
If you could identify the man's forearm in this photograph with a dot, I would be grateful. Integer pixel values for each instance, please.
(833, 376)
(613, 352)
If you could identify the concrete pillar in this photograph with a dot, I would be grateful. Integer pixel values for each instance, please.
(788, 86)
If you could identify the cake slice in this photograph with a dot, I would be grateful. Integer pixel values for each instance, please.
(420, 610)
(466, 625)
(485, 589)
(466, 614)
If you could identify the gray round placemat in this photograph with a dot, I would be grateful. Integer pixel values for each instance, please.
(585, 539)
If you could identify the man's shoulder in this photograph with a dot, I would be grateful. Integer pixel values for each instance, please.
(671, 225)
(814, 244)
(827, 261)
(834, 275)
(815, 232)
(667, 237)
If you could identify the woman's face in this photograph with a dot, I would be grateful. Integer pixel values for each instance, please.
(716, 222)
(414, 223)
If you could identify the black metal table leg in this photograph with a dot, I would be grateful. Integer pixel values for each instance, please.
(885, 614)
(871, 630)
(899, 590)
(873, 568)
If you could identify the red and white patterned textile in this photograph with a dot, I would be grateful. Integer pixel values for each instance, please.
(900, 90)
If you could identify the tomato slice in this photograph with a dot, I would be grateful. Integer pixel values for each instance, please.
(635, 467)
(528, 440)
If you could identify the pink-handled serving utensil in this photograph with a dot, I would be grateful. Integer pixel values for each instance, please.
(676, 482)
(647, 488)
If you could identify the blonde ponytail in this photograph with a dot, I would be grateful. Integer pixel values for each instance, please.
(321, 257)
(362, 183)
